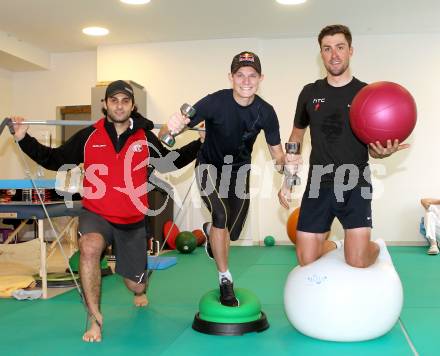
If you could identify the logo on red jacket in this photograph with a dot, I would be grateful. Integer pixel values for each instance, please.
(137, 148)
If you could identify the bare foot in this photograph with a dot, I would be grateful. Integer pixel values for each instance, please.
(94, 334)
(140, 300)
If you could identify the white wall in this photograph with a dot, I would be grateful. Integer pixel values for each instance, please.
(68, 82)
(173, 73)
(28, 57)
(36, 95)
(6, 149)
(6, 92)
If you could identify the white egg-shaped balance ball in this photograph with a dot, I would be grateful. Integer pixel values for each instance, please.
(330, 300)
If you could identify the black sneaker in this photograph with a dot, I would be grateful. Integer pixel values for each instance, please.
(227, 295)
(206, 228)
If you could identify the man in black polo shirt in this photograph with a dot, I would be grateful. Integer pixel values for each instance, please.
(338, 183)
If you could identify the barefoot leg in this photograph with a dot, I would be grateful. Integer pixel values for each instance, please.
(91, 246)
(94, 332)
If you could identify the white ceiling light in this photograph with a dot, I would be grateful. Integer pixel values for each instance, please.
(291, 2)
(95, 31)
(135, 2)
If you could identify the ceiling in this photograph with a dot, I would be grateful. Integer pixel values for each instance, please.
(55, 25)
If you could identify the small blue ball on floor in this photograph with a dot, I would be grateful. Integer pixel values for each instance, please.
(269, 241)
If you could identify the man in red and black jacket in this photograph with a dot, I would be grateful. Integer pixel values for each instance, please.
(116, 152)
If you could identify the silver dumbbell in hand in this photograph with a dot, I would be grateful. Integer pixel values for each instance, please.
(186, 110)
(292, 179)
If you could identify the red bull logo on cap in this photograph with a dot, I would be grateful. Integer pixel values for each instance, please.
(246, 57)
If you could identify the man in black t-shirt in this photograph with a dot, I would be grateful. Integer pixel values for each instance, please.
(233, 119)
(338, 183)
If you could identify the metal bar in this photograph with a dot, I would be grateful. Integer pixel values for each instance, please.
(57, 122)
(82, 123)
(8, 122)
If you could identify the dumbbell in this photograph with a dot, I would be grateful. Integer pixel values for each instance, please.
(292, 179)
(186, 110)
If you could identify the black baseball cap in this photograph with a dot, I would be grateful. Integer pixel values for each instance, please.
(246, 59)
(119, 86)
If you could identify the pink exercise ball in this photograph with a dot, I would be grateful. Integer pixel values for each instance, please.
(383, 111)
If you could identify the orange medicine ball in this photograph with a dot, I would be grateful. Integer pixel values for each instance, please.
(292, 222)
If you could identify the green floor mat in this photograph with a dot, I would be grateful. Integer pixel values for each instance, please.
(55, 326)
(282, 339)
(263, 280)
(422, 326)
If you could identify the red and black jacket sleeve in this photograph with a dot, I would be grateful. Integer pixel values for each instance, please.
(71, 152)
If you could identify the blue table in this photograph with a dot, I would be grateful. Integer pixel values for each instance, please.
(26, 183)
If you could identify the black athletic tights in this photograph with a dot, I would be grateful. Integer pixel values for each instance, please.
(226, 195)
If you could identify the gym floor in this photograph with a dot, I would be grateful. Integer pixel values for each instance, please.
(55, 326)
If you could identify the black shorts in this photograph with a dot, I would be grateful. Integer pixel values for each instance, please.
(130, 245)
(226, 195)
(317, 213)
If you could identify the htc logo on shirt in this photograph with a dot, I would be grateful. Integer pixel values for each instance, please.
(318, 102)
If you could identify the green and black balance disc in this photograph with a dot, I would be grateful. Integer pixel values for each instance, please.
(216, 319)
